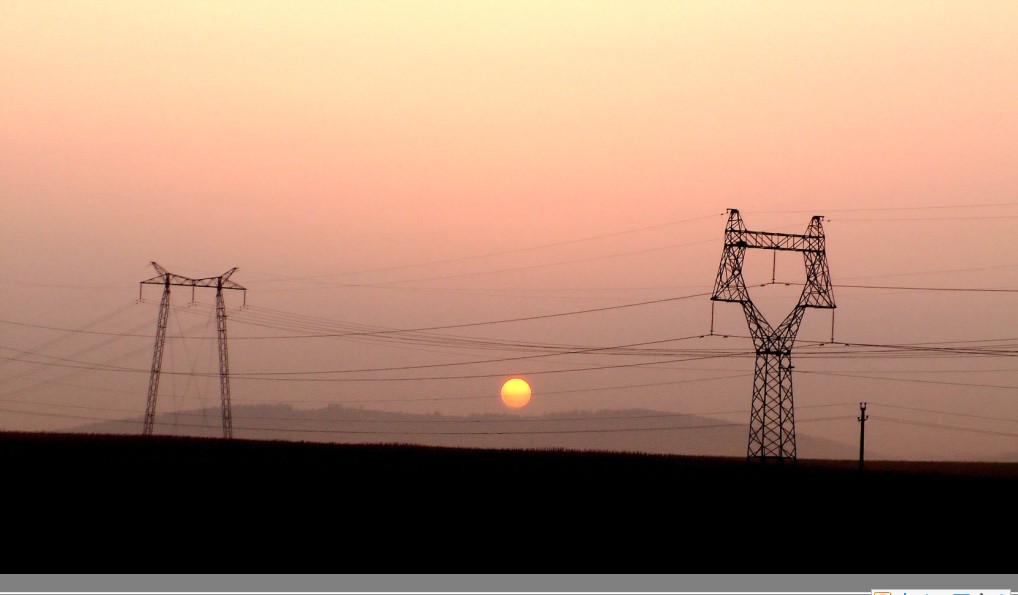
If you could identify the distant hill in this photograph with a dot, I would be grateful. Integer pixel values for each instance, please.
(1005, 457)
(623, 430)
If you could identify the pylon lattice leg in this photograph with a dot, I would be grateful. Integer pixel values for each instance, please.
(772, 417)
(157, 361)
(224, 365)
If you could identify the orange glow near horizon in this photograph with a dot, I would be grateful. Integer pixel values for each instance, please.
(516, 393)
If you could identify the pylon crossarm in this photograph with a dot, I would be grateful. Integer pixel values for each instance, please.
(736, 235)
(215, 282)
(767, 240)
(173, 279)
(178, 280)
(775, 240)
(165, 277)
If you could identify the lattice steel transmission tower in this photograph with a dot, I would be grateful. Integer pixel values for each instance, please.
(167, 279)
(772, 416)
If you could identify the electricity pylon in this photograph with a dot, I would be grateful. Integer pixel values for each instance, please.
(772, 416)
(166, 279)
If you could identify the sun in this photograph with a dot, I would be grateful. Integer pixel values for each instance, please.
(516, 393)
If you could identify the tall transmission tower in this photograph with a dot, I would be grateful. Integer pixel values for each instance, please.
(772, 416)
(168, 279)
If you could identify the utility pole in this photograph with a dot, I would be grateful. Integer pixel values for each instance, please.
(166, 279)
(862, 432)
(772, 416)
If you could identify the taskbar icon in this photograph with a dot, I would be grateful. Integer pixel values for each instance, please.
(941, 592)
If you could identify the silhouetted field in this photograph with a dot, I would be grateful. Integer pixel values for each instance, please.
(173, 504)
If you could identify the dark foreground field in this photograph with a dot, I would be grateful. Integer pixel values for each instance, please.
(78, 503)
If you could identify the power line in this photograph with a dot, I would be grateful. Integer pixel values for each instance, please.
(89, 332)
(119, 288)
(936, 272)
(100, 344)
(914, 380)
(485, 323)
(313, 328)
(585, 239)
(918, 371)
(913, 288)
(1003, 419)
(68, 333)
(556, 392)
(924, 347)
(418, 329)
(942, 426)
(468, 291)
(84, 368)
(879, 209)
(386, 379)
(500, 252)
(475, 362)
(689, 355)
(494, 375)
(928, 218)
(545, 265)
(902, 345)
(903, 287)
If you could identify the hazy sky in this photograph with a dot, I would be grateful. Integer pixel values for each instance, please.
(417, 164)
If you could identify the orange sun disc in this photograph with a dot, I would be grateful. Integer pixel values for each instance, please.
(516, 393)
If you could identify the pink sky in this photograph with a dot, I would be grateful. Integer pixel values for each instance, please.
(310, 139)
